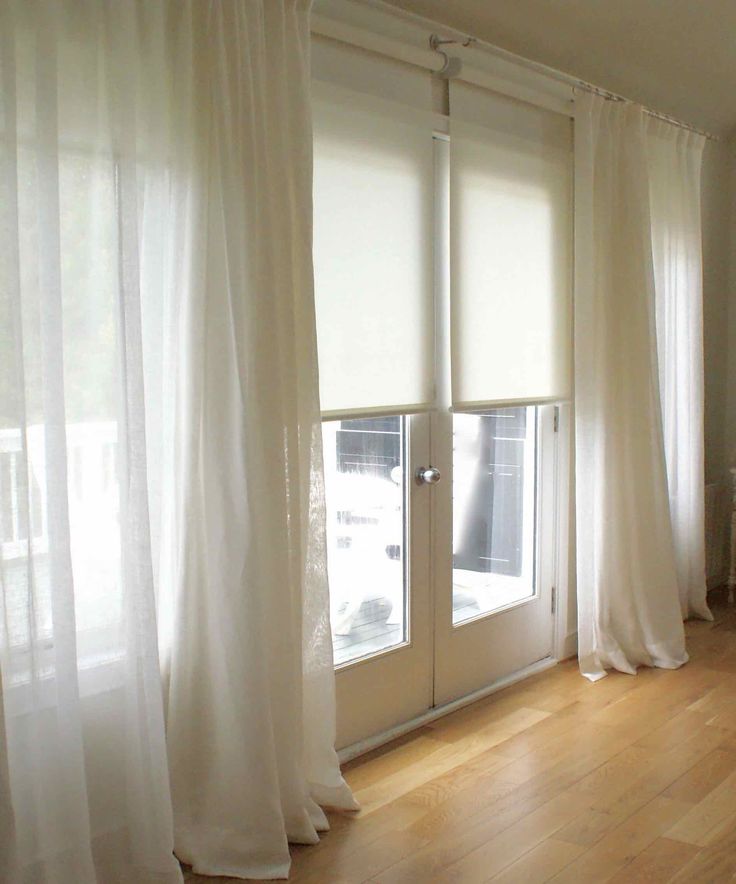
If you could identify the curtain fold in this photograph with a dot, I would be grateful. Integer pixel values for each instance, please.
(628, 606)
(85, 751)
(250, 715)
(8, 852)
(160, 444)
(674, 165)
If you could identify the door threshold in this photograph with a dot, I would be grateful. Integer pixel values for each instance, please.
(370, 743)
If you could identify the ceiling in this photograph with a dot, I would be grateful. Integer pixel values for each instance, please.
(676, 56)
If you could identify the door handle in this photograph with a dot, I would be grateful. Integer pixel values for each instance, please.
(427, 475)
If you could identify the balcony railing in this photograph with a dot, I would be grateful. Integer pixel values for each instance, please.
(91, 450)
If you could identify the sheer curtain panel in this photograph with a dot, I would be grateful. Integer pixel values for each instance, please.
(251, 713)
(628, 607)
(160, 442)
(81, 163)
(675, 158)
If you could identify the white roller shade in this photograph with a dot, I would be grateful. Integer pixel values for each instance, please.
(373, 227)
(350, 67)
(511, 250)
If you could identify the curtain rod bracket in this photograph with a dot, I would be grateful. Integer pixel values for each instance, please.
(435, 41)
(451, 66)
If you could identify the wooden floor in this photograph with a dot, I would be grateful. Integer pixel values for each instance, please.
(631, 779)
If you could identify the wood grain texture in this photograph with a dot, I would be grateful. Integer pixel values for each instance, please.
(631, 779)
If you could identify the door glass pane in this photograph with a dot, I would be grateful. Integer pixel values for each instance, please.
(365, 477)
(493, 495)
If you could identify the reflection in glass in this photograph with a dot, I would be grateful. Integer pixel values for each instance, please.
(494, 485)
(365, 481)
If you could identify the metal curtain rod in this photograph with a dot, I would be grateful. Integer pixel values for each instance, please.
(536, 66)
(658, 115)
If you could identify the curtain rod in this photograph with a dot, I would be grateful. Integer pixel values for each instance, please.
(538, 67)
(658, 115)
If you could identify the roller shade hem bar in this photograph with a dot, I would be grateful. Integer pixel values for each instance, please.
(378, 411)
(506, 403)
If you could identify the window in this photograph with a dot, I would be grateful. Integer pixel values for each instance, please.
(365, 479)
(494, 497)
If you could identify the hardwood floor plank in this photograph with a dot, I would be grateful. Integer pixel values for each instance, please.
(659, 862)
(367, 861)
(532, 790)
(385, 760)
(508, 846)
(607, 782)
(714, 864)
(661, 771)
(502, 721)
(539, 864)
(631, 779)
(450, 840)
(704, 777)
(447, 758)
(624, 843)
(709, 817)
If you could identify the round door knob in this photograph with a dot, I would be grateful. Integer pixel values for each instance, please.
(427, 475)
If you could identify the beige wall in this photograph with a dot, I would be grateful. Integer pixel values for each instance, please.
(716, 203)
(719, 330)
(730, 420)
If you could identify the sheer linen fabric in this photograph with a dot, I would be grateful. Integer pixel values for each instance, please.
(251, 712)
(628, 607)
(160, 432)
(80, 164)
(674, 165)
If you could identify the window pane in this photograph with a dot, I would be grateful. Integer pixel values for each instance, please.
(365, 477)
(494, 493)
(89, 265)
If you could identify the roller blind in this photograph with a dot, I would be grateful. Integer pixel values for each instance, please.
(350, 67)
(511, 250)
(373, 228)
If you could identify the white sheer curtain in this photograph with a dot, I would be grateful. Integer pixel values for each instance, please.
(628, 607)
(159, 430)
(251, 714)
(80, 164)
(674, 165)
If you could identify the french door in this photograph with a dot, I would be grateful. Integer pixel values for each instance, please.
(441, 549)
(493, 583)
(380, 572)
